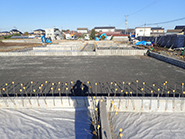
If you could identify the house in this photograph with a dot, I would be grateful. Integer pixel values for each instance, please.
(82, 30)
(54, 33)
(157, 31)
(109, 34)
(4, 33)
(120, 38)
(105, 29)
(178, 30)
(142, 31)
(39, 32)
(15, 31)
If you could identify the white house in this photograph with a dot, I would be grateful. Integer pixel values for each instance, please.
(54, 33)
(143, 31)
(105, 29)
(82, 30)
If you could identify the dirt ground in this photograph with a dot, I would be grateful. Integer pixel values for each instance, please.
(7, 47)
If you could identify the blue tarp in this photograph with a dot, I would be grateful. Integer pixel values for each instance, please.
(143, 43)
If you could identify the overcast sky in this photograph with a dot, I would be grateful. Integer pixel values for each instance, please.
(28, 15)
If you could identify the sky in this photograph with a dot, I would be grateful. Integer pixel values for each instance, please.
(29, 15)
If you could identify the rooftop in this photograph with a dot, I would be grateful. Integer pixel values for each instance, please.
(82, 28)
(104, 27)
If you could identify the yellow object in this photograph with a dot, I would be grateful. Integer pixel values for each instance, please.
(34, 90)
(6, 84)
(136, 81)
(121, 91)
(115, 84)
(116, 113)
(112, 102)
(95, 100)
(51, 88)
(12, 82)
(41, 84)
(88, 82)
(46, 81)
(173, 91)
(95, 83)
(141, 89)
(166, 82)
(66, 88)
(58, 82)
(94, 97)
(92, 122)
(39, 87)
(52, 83)
(58, 89)
(183, 92)
(143, 82)
(182, 83)
(168, 92)
(123, 82)
(126, 92)
(130, 92)
(116, 89)
(151, 91)
(3, 89)
(128, 83)
(111, 83)
(21, 84)
(94, 132)
(65, 83)
(31, 82)
(20, 90)
(101, 100)
(158, 89)
(24, 88)
(96, 109)
(120, 130)
(153, 84)
(121, 135)
(98, 126)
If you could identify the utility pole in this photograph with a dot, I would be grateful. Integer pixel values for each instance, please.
(126, 24)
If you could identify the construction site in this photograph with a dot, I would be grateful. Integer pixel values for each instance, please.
(90, 89)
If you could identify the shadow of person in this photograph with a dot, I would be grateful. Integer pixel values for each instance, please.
(79, 89)
(79, 94)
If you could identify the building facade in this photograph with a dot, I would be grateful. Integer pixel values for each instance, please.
(82, 30)
(142, 31)
(105, 29)
(53, 33)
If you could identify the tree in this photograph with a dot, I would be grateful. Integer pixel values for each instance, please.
(25, 34)
(93, 32)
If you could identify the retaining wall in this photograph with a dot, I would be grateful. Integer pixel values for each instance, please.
(97, 53)
(23, 41)
(167, 59)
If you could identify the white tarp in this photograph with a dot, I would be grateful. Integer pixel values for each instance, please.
(44, 123)
(150, 125)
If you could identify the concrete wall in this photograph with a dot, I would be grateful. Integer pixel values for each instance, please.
(97, 53)
(167, 59)
(23, 41)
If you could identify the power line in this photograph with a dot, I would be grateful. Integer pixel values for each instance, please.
(143, 8)
(165, 22)
(137, 12)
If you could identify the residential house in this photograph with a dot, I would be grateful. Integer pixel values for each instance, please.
(4, 33)
(142, 31)
(54, 33)
(178, 30)
(82, 30)
(157, 31)
(39, 32)
(15, 31)
(105, 29)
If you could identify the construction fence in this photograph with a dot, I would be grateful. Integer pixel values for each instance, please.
(168, 41)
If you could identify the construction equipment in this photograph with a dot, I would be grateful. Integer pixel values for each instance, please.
(45, 40)
(97, 39)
